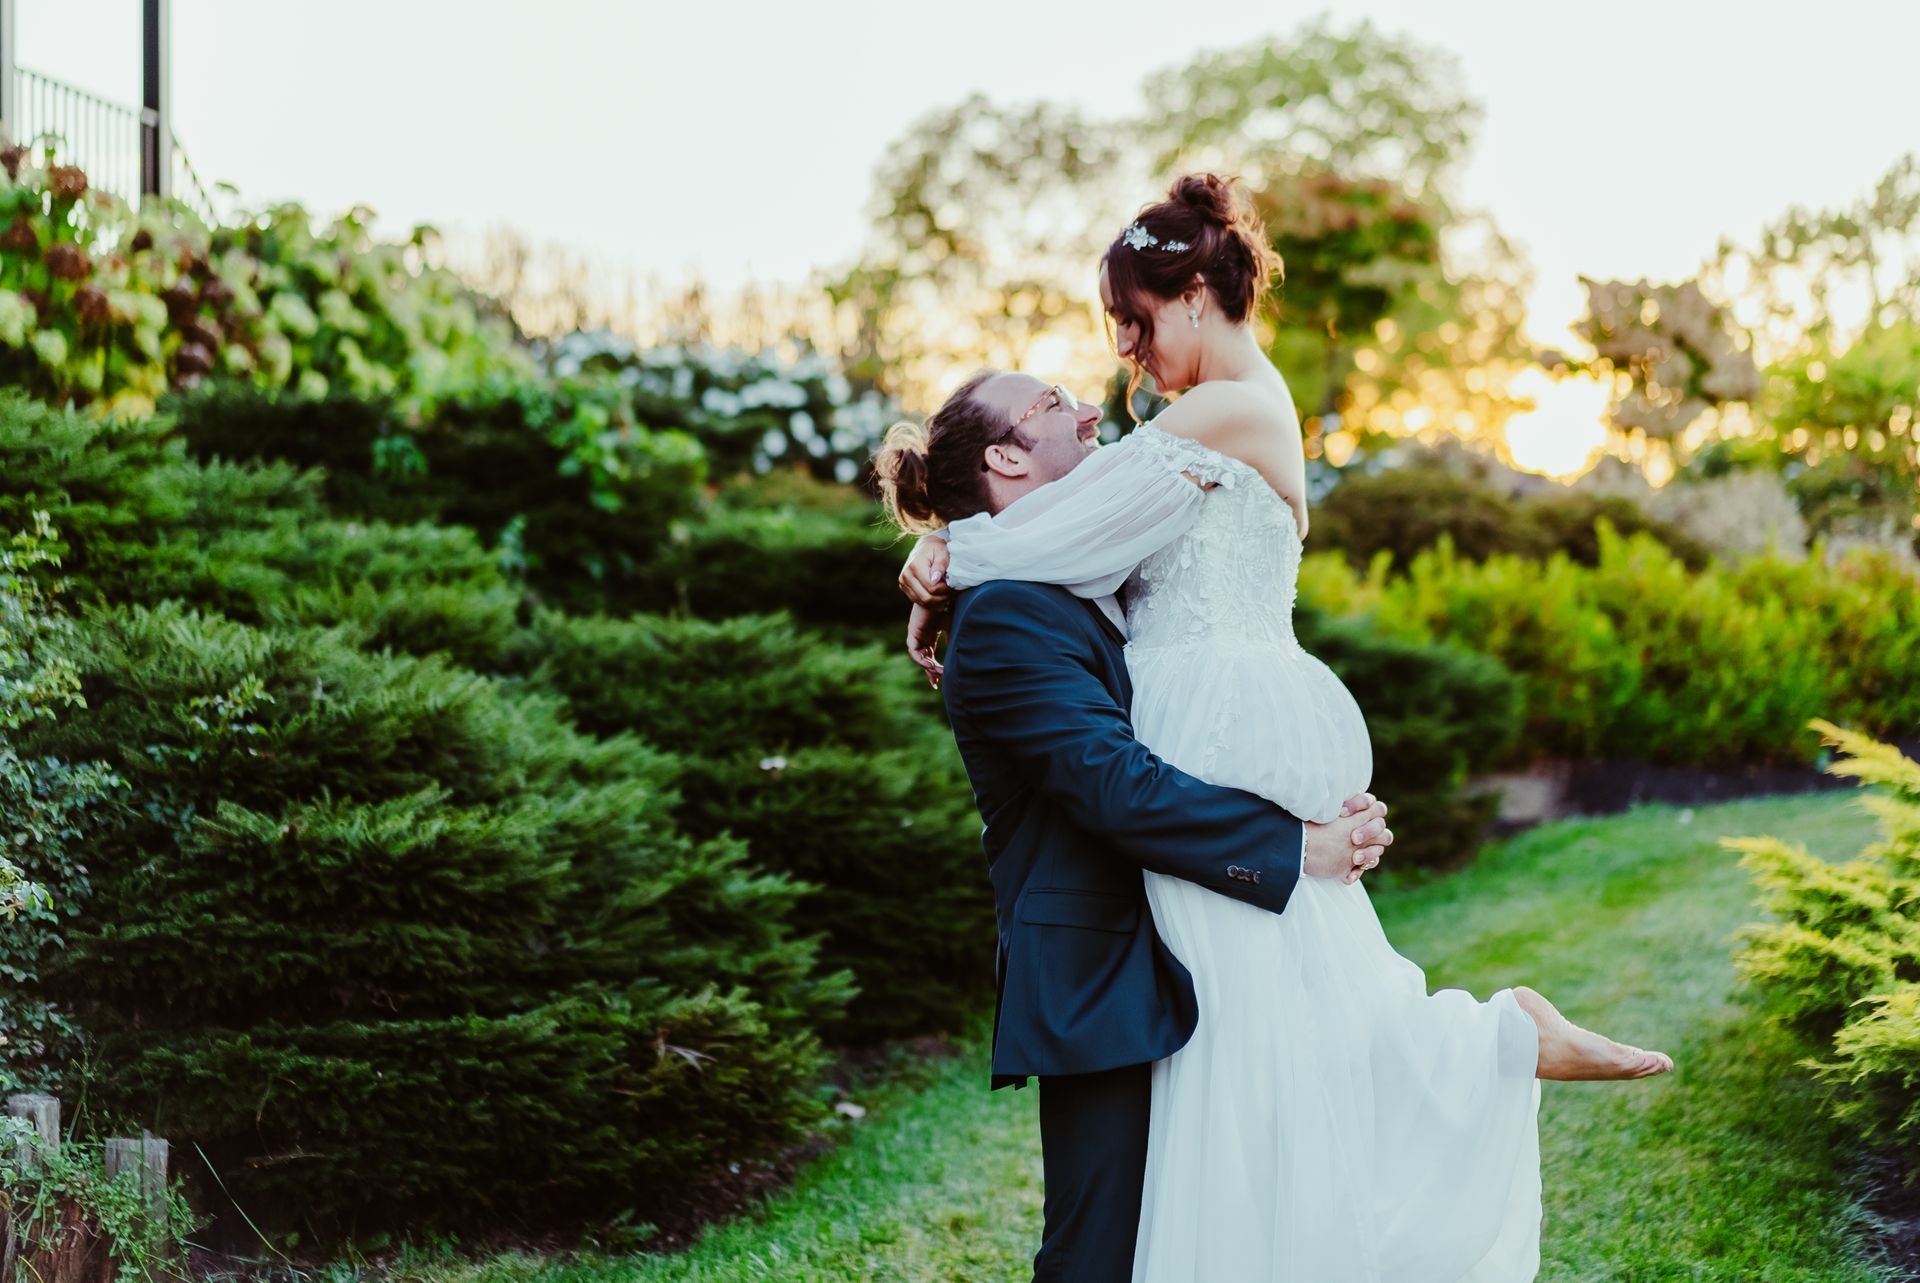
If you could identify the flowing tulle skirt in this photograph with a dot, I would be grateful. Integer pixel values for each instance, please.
(1330, 1120)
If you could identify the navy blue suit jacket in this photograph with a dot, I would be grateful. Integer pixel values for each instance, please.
(1075, 807)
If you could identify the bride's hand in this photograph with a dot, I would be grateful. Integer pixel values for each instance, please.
(924, 578)
(1348, 846)
(924, 627)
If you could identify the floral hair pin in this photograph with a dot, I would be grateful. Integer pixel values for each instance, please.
(1138, 237)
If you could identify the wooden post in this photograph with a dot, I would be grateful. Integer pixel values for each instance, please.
(44, 1113)
(148, 1156)
(156, 98)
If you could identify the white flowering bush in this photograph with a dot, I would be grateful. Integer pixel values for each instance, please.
(753, 411)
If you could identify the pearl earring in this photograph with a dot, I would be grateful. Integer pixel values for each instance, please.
(1195, 318)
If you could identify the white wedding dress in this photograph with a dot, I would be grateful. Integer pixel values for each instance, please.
(1330, 1121)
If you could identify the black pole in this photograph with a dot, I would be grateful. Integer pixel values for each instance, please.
(9, 79)
(156, 126)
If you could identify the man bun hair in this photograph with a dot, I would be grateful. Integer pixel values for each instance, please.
(933, 473)
(901, 467)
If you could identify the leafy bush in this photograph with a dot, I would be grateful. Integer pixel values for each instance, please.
(62, 1217)
(1841, 960)
(101, 304)
(814, 755)
(1638, 657)
(618, 524)
(1407, 510)
(1436, 715)
(574, 496)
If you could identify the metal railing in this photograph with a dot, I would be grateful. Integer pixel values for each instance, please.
(101, 136)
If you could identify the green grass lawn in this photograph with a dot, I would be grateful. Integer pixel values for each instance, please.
(1725, 1170)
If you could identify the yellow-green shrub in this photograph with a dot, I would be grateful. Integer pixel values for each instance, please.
(1641, 657)
(1841, 961)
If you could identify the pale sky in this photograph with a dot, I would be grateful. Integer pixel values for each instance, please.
(737, 140)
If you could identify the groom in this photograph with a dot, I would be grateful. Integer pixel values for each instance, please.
(1074, 806)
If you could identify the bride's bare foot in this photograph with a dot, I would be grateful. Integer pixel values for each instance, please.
(1569, 1053)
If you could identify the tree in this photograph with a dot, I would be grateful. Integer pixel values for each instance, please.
(1842, 424)
(1827, 276)
(988, 218)
(1364, 105)
(1673, 353)
(1833, 297)
(1351, 250)
(1399, 312)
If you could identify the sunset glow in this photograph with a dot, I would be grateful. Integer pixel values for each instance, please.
(1565, 431)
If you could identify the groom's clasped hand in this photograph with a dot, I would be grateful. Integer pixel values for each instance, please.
(1351, 844)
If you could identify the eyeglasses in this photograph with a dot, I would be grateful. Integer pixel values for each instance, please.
(1064, 400)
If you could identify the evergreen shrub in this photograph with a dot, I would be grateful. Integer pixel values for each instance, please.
(397, 945)
(1436, 715)
(141, 523)
(575, 496)
(50, 812)
(590, 512)
(1839, 957)
(831, 568)
(816, 757)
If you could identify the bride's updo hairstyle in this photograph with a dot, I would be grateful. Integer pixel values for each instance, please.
(1207, 227)
(934, 472)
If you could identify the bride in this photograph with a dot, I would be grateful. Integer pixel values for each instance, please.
(1329, 1119)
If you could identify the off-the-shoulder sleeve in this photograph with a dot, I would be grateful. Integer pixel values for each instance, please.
(1088, 530)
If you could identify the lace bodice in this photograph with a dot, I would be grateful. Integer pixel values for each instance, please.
(1233, 576)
